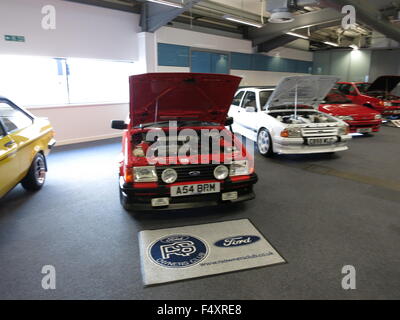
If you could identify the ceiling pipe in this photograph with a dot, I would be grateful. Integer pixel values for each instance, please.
(367, 15)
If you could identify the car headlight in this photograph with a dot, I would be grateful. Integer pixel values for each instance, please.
(344, 118)
(221, 172)
(145, 174)
(138, 152)
(378, 117)
(387, 104)
(169, 176)
(344, 130)
(239, 168)
(291, 132)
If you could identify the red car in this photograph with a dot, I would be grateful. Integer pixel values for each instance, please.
(360, 119)
(376, 95)
(171, 114)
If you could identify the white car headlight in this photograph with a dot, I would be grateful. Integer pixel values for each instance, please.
(239, 168)
(221, 172)
(145, 174)
(169, 176)
(344, 118)
(291, 132)
(378, 117)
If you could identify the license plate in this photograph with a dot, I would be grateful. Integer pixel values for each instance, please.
(195, 189)
(321, 141)
(229, 196)
(364, 130)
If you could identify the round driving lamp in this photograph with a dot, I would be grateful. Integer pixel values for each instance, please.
(221, 172)
(169, 176)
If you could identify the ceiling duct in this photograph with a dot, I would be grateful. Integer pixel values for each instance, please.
(281, 10)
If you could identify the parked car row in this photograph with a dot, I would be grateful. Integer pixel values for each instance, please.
(179, 148)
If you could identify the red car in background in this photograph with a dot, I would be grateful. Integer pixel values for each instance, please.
(360, 119)
(376, 95)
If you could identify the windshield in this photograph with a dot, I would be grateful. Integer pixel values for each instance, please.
(264, 96)
(336, 97)
(363, 87)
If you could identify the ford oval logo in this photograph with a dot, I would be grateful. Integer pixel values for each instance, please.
(194, 173)
(236, 241)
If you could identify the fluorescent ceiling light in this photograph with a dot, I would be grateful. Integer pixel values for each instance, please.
(167, 3)
(297, 35)
(355, 47)
(243, 21)
(331, 43)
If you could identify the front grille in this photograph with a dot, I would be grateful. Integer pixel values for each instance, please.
(319, 132)
(199, 172)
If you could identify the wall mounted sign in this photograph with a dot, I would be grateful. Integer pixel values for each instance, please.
(8, 37)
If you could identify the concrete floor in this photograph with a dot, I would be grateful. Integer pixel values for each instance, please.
(320, 212)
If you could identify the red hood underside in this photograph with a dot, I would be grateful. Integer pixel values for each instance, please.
(156, 97)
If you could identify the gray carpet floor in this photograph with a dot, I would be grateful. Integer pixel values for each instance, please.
(320, 213)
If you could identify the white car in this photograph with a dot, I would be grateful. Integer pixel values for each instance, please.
(284, 119)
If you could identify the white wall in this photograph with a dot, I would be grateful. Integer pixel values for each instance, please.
(202, 40)
(78, 123)
(261, 78)
(291, 53)
(81, 30)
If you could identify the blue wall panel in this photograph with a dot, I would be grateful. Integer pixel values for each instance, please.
(241, 61)
(210, 62)
(173, 55)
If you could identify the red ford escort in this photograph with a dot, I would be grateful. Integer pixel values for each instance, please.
(359, 118)
(177, 152)
(377, 95)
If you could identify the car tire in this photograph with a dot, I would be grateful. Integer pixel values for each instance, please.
(36, 176)
(264, 143)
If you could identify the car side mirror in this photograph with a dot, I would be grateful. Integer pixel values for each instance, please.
(228, 121)
(250, 109)
(119, 125)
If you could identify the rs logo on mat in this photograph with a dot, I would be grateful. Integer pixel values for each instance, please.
(178, 251)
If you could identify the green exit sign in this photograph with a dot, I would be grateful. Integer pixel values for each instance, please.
(8, 37)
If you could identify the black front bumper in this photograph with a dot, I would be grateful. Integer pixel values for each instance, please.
(140, 199)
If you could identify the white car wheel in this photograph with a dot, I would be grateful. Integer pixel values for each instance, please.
(264, 142)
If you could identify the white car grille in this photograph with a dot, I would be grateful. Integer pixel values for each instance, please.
(318, 132)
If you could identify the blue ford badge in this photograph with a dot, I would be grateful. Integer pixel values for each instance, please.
(236, 241)
(194, 173)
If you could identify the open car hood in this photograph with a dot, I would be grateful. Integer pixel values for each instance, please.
(311, 90)
(156, 97)
(384, 83)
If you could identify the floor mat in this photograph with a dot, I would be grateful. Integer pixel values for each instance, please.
(175, 254)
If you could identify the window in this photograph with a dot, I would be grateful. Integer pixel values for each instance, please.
(363, 87)
(209, 62)
(250, 100)
(264, 96)
(345, 88)
(238, 98)
(38, 81)
(12, 118)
